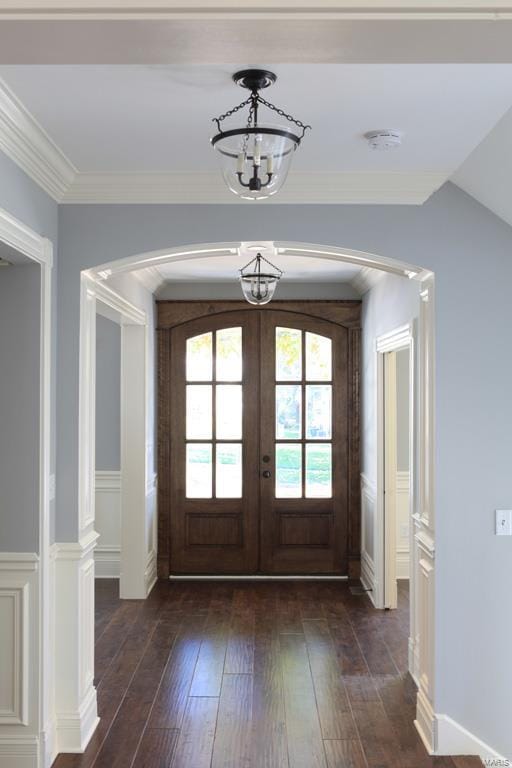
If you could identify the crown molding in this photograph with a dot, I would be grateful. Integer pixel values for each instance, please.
(395, 188)
(25, 142)
(270, 9)
(366, 279)
(150, 277)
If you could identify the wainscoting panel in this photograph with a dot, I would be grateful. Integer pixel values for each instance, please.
(75, 695)
(19, 660)
(402, 525)
(107, 554)
(368, 512)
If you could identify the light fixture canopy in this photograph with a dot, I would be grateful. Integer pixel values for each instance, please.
(255, 158)
(259, 287)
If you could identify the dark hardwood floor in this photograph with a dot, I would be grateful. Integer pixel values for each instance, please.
(253, 675)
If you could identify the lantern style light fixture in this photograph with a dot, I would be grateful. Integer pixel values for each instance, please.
(255, 158)
(259, 287)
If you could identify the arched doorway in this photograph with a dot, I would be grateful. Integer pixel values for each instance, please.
(423, 562)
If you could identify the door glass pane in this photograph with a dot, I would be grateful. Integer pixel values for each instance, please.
(199, 411)
(228, 471)
(288, 354)
(229, 412)
(199, 358)
(318, 471)
(288, 412)
(228, 357)
(318, 411)
(318, 357)
(199, 471)
(288, 471)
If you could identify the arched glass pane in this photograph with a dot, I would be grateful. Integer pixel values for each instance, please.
(318, 357)
(228, 356)
(288, 354)
(200, 357)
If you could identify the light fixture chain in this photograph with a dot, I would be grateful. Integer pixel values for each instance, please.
(282, 113)
(230, 112)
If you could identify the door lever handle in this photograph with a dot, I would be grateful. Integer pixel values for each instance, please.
(266, 473)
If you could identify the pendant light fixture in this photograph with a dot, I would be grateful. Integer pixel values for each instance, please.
(259, 287)
(255, 158)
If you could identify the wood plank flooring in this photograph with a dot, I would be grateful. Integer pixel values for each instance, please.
(253, 675)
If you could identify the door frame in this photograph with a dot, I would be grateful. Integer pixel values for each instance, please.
(27, 576)
(402, 338)
(137, 575)
(171, 313)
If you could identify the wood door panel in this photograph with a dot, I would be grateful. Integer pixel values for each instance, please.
(305, 535)
(215, 535)
(259, 533)
(213, 530)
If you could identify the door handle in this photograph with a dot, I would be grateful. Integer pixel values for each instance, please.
(266, 473)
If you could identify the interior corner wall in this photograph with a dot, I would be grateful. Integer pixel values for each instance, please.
(108, 394)
(25, 200)
(20, 331)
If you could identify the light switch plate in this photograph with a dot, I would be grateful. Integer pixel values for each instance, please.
(504, 522)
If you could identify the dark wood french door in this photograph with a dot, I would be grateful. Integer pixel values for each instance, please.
(257, 443)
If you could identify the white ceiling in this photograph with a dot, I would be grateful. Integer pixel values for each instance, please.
(225, 268)
(157, 119)
(487, 172)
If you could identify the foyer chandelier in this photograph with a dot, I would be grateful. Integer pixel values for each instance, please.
(255, 158)
(259, 287)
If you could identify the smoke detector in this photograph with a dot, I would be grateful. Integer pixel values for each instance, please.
(386, 138)
(4, 262)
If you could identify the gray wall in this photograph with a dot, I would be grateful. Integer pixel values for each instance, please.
(470, 251)
(23, 199)
(108, 394)
(402, 410)
(19, 407)
(393, 302)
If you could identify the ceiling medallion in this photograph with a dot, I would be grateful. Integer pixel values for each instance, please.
(259, 287)
(255, 158)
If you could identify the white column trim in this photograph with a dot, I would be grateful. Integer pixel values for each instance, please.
(39, 249)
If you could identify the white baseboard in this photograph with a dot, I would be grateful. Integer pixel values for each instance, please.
(107, 561)
(425, 722)
(74, 730)
(19, 752)
(48, 744)
(454, 739)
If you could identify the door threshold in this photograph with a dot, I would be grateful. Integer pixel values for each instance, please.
(257, 577)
